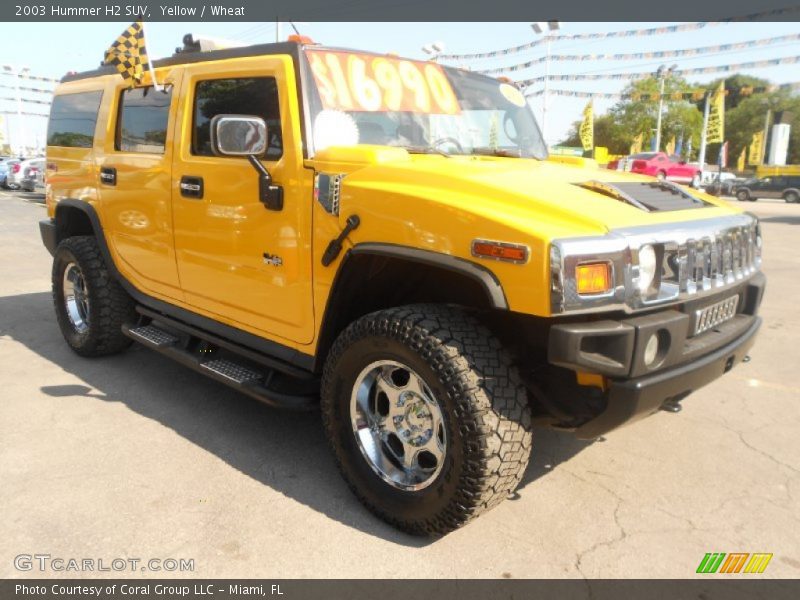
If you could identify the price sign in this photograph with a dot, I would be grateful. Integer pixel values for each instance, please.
(364, 82)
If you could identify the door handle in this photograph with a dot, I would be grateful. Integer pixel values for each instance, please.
(191, 187)
(108, 175)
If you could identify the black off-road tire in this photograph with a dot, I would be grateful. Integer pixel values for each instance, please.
(110, 305)
(483, 403)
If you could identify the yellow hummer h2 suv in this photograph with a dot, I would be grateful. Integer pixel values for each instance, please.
(386, 239)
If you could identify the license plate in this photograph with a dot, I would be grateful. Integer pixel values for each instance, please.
(716, 314)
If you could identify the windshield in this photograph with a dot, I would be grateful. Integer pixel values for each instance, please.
(420, 106)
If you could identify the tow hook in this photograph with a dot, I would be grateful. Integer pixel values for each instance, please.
(672, 405)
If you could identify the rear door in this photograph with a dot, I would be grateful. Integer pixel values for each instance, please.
(245, 264)
(134, 180)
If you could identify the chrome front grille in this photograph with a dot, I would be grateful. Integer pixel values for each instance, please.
(712, 261)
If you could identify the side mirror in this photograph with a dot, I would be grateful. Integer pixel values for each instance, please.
(245, 135)
(238, 135)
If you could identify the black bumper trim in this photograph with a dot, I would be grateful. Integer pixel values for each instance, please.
(632, 399)
(47, 227)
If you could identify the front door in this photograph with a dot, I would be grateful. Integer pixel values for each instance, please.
(238, 260)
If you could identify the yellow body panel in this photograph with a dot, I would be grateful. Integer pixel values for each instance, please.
(207, 255)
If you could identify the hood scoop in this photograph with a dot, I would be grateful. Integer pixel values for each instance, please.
(649, 196)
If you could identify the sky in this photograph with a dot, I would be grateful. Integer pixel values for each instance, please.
(29, 45)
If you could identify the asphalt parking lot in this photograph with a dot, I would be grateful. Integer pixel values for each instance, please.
(134, 456)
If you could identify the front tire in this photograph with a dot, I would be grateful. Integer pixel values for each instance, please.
(661, 176)
(743, 195)
(90, 304)
(791, 197)
(696, 181)
(427, 418)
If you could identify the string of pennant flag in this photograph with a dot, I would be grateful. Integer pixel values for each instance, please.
(687, 95)
(619, 34)
(794, 37)
(756, 64)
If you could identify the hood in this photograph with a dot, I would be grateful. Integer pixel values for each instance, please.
(540, 196)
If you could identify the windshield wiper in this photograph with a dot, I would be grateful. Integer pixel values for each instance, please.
(486, 151)
(426, 150)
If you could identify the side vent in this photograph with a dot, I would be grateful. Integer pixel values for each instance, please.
(327, 189)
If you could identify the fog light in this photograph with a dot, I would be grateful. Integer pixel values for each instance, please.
(651, 350)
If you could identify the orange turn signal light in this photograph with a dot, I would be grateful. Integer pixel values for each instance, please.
(593, 278)
(500, 251)
(300, 39)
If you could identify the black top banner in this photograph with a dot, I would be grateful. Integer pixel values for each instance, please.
(397, 10)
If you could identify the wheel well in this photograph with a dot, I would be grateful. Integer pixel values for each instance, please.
(366, 283)
(72, 221)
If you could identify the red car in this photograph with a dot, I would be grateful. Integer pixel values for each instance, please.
(659, 165)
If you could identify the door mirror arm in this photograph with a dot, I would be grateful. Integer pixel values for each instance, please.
(246, 135)
(270, 195)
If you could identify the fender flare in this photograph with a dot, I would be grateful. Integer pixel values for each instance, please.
(480, 274)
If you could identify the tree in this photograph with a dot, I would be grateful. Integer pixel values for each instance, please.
(632, 115)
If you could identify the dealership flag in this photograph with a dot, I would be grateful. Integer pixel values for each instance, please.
(671, 146)
(716, 119)
(723, 155)
(636, 146)
(742, 159)
(129, 54)
(756, 148)
(587, 127)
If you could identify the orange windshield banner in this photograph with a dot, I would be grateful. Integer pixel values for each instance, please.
(370, 83)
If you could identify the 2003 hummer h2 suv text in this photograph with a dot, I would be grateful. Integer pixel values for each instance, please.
(387, 239)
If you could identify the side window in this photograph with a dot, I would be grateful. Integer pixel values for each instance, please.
(72, 119)
(779, 182)
(256, 96)
(142, 120)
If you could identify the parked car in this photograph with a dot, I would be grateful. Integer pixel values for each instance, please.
(6, 165)
(721, 184)
(33, 176)
(777, 186)
(662, 166)
(19, 172)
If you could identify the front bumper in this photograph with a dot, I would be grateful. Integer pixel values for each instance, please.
(47, 229)
(615, 349)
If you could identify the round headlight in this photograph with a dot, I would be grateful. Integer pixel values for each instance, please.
(647, 267)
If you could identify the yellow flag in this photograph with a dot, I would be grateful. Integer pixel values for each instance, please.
(587, 127)
(636, 146)
(742, 158)
(671, 146)
(756, 148)
(716, 117)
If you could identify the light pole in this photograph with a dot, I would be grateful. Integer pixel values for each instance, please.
(663, 73)
(17, 73)
(433, 50)
(539, 28)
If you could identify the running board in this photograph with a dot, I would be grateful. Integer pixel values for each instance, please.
(254, 383)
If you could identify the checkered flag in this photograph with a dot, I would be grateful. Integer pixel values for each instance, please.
(129, 55)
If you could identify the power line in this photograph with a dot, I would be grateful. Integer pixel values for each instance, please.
(659, 54)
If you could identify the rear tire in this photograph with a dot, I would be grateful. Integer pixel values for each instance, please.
(696, 181)
(90, 304)
(791, 197)
(485, 441)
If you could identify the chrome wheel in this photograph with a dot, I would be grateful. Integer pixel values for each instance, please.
(398, 425)
(76, 298)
